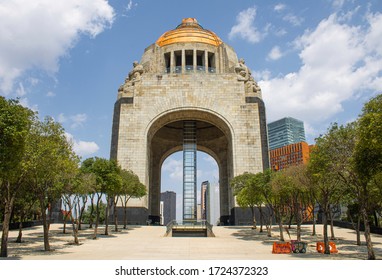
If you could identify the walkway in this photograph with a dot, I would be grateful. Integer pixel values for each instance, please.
(149, 243)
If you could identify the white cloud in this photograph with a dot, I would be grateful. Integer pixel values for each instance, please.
(338, 3)
(338, 62)
(20, 91)
(82, 148)
(174, 168)
(36, 34)
(279, 7)
(50, 94)
(280, 32)
(275, 53)
(25, 102)
(293, 19)
(245, 28)
(129, 5)
(76, 121)
(62, 118)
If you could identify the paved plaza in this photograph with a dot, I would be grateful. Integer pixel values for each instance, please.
(149, 243)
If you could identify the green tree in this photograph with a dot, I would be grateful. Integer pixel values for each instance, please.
(87, 183)
(325, 181)
(15, 123)
(51, 162)
(278, 196)
(297, 183)
(368, 160)
(247, 188)
(107, 180)
(23, 208)
(131, 188)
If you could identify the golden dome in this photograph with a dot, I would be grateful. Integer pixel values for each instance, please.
(189, 31)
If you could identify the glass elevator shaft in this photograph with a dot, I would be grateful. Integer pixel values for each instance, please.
(189, 170)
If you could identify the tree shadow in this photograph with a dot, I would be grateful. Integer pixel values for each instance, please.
(347, 249)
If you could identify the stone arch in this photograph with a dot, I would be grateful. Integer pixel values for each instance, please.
(164, 137)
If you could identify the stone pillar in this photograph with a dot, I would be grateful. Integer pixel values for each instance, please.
(183, 61)
(194, 62)
(206, 60)
(172, 68)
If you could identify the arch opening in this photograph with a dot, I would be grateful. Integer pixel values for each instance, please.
(171, 181)
(165, 137)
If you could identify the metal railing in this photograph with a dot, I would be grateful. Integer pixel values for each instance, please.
(190, 225)
(190, 69)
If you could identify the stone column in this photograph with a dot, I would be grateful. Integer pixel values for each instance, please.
(194, 62)
(172, 69)
(206, 60)
(183, 61)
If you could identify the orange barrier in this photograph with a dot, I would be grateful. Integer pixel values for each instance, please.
(281, 248)
(321, 247)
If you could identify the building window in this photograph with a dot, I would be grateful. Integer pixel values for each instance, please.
(178, 61)
(189, 60)
(167, 62)
(211, 63)
(200, 64)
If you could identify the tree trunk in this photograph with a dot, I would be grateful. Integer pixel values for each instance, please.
(369, 244)
(269, 229)
(278, 216)
(290, 221)
(7, 217)
(64, 228)
(325, 229)
(49, 216)
(375, 218)
(45, 225)
(261, 218)
(332, 237)
(125, 216)
(298, 221)
(20, 235)
(115, 215)
(107, 216)
(97, 218)
(358, 230)
(82, 209)
(75, 226)
(314, 223)
(253, 217)
(91, 212)
(357, 226)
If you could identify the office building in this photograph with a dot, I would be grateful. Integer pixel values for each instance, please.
(169, 206)
(284, 132)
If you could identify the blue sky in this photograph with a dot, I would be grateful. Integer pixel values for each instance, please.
(317, 61)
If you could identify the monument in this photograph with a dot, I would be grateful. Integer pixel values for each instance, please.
(189, 78)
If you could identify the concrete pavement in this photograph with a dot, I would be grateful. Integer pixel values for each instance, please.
(149, 243)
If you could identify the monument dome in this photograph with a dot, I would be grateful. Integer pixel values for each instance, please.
(189, 31)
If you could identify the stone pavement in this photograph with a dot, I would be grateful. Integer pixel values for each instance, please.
(149, 243)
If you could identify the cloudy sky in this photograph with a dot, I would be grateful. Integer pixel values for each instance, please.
(317, 61)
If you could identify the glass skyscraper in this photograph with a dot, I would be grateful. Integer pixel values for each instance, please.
(284, 132)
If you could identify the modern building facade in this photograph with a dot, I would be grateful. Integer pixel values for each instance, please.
(189, 74)
(205, 200)
(169, 206)
(284, 132)
(289, 155)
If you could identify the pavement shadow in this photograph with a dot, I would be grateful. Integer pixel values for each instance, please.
(347, 249)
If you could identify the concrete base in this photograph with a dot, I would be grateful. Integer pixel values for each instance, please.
(243, 216)
(135, 215)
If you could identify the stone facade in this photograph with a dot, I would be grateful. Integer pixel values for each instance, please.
(160, 92)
